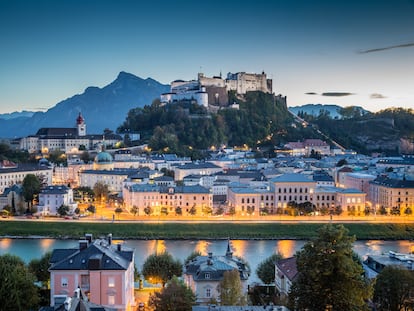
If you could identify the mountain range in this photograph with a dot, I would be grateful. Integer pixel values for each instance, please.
(102, 108)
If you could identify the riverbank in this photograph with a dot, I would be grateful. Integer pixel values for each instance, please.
(171, 230)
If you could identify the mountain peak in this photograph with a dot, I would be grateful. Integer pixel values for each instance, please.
(126, 75)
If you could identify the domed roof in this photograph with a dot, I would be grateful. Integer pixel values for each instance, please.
(103, 157)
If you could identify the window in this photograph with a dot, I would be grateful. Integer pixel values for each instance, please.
(208, 292)
(207, 275)
(64, 282)
(111, 299)
(111, 281)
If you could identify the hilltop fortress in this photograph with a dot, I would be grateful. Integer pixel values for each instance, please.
(213, 92)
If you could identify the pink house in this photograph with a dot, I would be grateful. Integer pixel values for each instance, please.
(103, 271)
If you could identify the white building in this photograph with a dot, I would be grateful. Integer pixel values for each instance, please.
(16, 174)
(53, 197)
(66, 139)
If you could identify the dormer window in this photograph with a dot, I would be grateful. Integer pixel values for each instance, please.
(206, 275)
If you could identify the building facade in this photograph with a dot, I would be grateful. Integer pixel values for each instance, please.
(103, 271)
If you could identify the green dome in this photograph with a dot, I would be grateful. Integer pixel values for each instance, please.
(103, 157)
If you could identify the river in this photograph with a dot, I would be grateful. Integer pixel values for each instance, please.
(253, 251)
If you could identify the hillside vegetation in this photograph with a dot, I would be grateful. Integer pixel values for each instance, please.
(186, 128)
(390, 131)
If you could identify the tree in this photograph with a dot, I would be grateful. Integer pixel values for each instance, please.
(190, 257)
(392, 288)
(134, 210)
(160, 268)
(193, 210)
(148, 210)
(330, 275)
(63, 210)
(91, 209)
(100, 190)
(39, 268)
(118, 212)
(31, 187)
(231, 289)
(175, 296)
(85, 157)
(266, 269)
(17, 289)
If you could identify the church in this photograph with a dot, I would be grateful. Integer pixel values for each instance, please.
(68, 140)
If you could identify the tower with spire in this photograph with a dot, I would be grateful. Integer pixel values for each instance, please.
(81, 126)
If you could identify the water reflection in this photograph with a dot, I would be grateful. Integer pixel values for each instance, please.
(253, 251)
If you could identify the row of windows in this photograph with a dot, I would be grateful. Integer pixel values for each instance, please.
(294, 190)
(293, 198)
(175, 197)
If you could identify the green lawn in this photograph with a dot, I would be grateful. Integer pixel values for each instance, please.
(141, 230)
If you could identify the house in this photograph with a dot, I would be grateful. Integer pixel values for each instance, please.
(53, 197)
(374, 264)
(285, 274)
(78, 301)
(100, 269)
(203, 274)
(12, 196)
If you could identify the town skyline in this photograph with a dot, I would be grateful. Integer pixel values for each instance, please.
(344, 53)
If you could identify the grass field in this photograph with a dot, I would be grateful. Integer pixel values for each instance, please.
(362, 231)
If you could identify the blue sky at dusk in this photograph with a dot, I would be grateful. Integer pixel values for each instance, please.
(52, 50)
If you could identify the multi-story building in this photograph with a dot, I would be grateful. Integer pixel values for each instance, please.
(292, 187)
(66, 139)
(206, 168)
(392, 194)
(15, 174)
(286, 273)
(167, 199)
(101, 270)
(203, 274)
(53, 197)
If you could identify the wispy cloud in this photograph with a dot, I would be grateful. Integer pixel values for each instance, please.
(407, 45)
(311, 93)
(377, 96)
(337, 94)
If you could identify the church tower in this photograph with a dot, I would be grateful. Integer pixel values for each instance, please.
(81, 126)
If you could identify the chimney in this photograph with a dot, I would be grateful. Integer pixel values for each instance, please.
(83, 244)
(210, 255)
(118, 247)
(110, 238)
(88, 236)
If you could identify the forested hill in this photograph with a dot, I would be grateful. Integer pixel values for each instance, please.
(390, 131)
(187, 128)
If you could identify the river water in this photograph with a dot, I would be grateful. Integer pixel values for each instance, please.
(253, 251)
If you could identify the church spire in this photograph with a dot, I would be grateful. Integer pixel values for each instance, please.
(229, 252)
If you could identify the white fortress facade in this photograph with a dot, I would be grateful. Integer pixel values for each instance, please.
(213, 91)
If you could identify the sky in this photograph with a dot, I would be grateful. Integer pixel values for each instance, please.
(344, 52)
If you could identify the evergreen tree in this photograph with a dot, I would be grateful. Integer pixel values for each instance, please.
(17, 289)
(392, 289)
(330, 275)
(266, 269)
(31, 187)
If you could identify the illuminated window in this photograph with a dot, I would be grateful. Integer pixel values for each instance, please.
(111, 299)
(111, 281)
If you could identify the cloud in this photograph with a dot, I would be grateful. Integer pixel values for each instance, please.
(337, 94)
(407, 45)
(311, 93)
(377, 96)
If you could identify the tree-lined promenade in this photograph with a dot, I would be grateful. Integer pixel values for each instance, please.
(66, 229)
